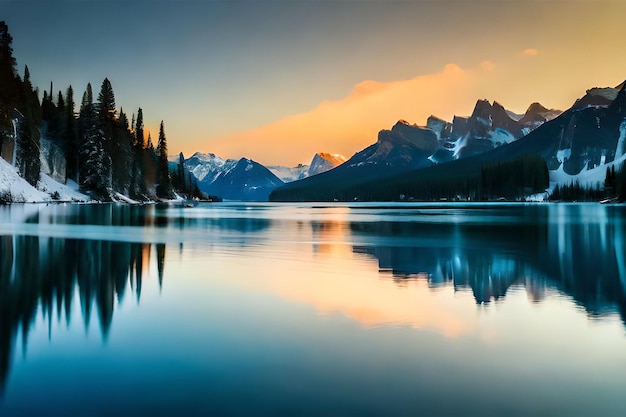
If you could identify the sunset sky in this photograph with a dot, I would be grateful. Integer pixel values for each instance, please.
(279, 80)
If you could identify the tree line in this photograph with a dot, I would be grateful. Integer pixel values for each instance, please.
(613, 189)
(105, 152)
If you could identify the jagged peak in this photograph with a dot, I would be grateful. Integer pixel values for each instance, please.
(202, 155)
(497, 105)
(537, 107)
(434, 118)
(328, 155)
(609, 93)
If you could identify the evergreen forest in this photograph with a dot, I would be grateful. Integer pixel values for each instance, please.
(87, 140)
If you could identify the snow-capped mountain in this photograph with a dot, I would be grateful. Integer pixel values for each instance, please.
(579, 145)
(535, 116)
(323, 161)
(489, 126)
(231, 179)
(246, 181)
(289, 174)
(590, 137)
(206, 167)
(408, 146)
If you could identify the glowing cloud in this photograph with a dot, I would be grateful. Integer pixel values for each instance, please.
(488, 65)
(530, 52)
(348, 125)
(352, 123)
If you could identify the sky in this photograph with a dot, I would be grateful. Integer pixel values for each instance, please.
(279, 80)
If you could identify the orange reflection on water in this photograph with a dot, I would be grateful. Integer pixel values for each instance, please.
(373, 301)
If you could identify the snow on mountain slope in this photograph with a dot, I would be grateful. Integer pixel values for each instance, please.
(287, 174)
(324, 161)
(16, 188)
(207, 167)
(586, 177)
(19, 191)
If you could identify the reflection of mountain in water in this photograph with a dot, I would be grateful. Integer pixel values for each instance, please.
(585, 260)
(38, 272)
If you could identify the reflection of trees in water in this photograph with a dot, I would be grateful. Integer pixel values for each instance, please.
(584, 260)
(45, 273)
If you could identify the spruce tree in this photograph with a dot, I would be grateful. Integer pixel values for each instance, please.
(94, 163)
(164, 188)
(27, 153)
(123, 152)
(71, 141)
(10, 88)
(138, 186)
(178, 180)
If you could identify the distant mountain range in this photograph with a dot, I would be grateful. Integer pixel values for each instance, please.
(247, 180)
(579, 143)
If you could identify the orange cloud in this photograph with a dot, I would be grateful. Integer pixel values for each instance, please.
(530, 52)
(350, 124)
(488, 65)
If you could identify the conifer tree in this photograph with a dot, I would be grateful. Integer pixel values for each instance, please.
(95, 164)
(10, 89)
(178, 178)
(164, 188)
(123, 158)
(138, 186)
(27, 153)
(71, 141)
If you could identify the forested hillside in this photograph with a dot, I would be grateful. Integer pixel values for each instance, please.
(108, 154)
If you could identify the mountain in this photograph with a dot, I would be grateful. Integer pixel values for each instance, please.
(590, 136)
(323, 162)
(408, 146)
(229, 179)
(489, 126)
(289, 174)
(246, 181)
(207, 167)
(536, 115)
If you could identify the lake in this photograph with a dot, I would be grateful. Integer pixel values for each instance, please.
(232, 309)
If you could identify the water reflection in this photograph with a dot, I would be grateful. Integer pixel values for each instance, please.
(578, 250)
(50, 256)
(43, 274)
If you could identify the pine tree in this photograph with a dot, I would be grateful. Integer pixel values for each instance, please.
(10, 88)
(71, 141)
(28, 162)
(178, 179)
(94, 163)
(122, 155)
(164, 188)
(27, 152)
(138, 186)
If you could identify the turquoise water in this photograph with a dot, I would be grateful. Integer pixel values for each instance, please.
(319, 309)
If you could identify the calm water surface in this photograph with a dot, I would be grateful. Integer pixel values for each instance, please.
(264, 309)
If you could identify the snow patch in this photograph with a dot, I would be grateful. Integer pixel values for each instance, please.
(501, 137)
(586, 177)
(619, 151)
(563, 154)
(458, 145)
(20, 191)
